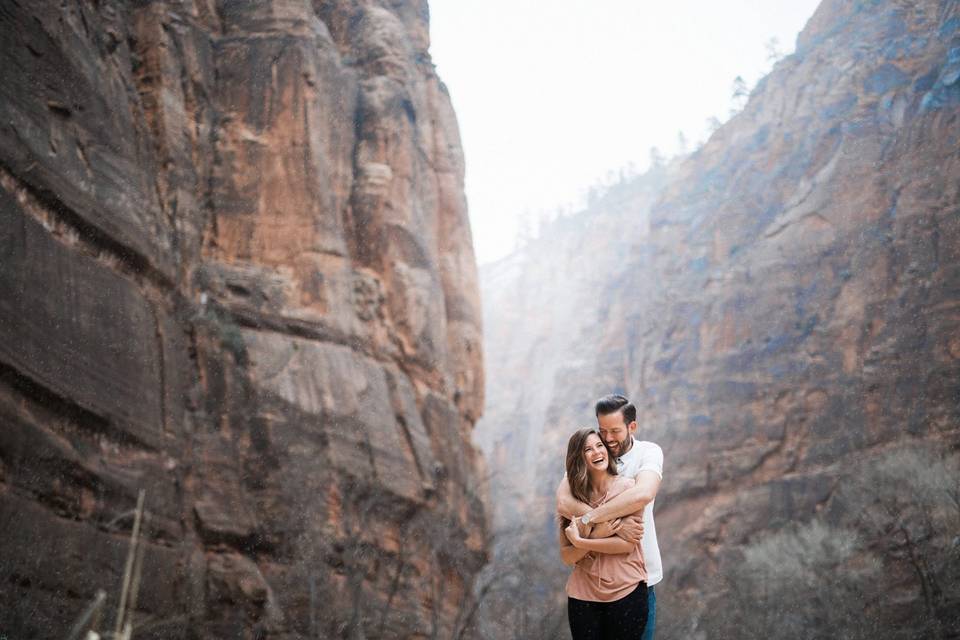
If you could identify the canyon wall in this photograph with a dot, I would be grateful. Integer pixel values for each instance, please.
(794, 308)
(236, 272)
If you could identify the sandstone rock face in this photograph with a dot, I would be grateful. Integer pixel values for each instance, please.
(235, 271)
(796, 304)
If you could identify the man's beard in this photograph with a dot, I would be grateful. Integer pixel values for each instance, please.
(619, 448)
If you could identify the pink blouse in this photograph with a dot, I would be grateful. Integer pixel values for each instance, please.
(605, 577)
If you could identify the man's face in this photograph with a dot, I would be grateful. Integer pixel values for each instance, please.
(615, 433)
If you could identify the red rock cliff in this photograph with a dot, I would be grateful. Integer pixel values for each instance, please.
(236, 271)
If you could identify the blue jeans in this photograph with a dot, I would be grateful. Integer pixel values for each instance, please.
(651, 614)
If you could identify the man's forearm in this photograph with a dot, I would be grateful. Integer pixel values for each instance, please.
(622, 505)
(632, 500)
(571, 507)
(568, 506)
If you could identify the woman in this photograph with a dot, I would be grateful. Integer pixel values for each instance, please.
(607, 591)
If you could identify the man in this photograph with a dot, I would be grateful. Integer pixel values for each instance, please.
(643, 461)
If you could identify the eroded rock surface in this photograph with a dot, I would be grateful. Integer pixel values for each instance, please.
(795, 306)
(236, 271)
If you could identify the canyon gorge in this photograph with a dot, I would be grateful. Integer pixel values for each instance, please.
(236, 272)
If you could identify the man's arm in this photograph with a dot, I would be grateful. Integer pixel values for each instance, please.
(568, 506)
(630, 501)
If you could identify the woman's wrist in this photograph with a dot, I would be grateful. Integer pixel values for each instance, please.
(586, 544)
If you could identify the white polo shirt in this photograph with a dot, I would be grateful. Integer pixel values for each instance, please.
(646, 456)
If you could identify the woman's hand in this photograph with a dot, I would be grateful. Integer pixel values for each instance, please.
(573, 532)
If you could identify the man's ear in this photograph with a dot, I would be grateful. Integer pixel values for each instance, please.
(632, 427)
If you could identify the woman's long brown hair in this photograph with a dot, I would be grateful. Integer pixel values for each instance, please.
(578, 477)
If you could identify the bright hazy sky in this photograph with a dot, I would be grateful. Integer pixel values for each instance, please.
(551, 95)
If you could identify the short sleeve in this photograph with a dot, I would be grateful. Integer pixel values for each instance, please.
(652, 459)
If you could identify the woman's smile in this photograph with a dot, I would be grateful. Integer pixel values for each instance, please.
(595, 453)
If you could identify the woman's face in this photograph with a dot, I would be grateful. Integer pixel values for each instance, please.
(595, 453)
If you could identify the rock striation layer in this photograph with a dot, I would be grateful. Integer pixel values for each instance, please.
(795, 306)
(236, 271)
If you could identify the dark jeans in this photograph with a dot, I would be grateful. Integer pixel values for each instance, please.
(623, 619)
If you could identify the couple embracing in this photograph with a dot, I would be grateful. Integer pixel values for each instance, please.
(605, 505)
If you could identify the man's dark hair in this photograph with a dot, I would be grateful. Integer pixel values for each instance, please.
(615, 402)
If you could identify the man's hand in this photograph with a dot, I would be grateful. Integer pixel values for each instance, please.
(606, 529)
(631, 529)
